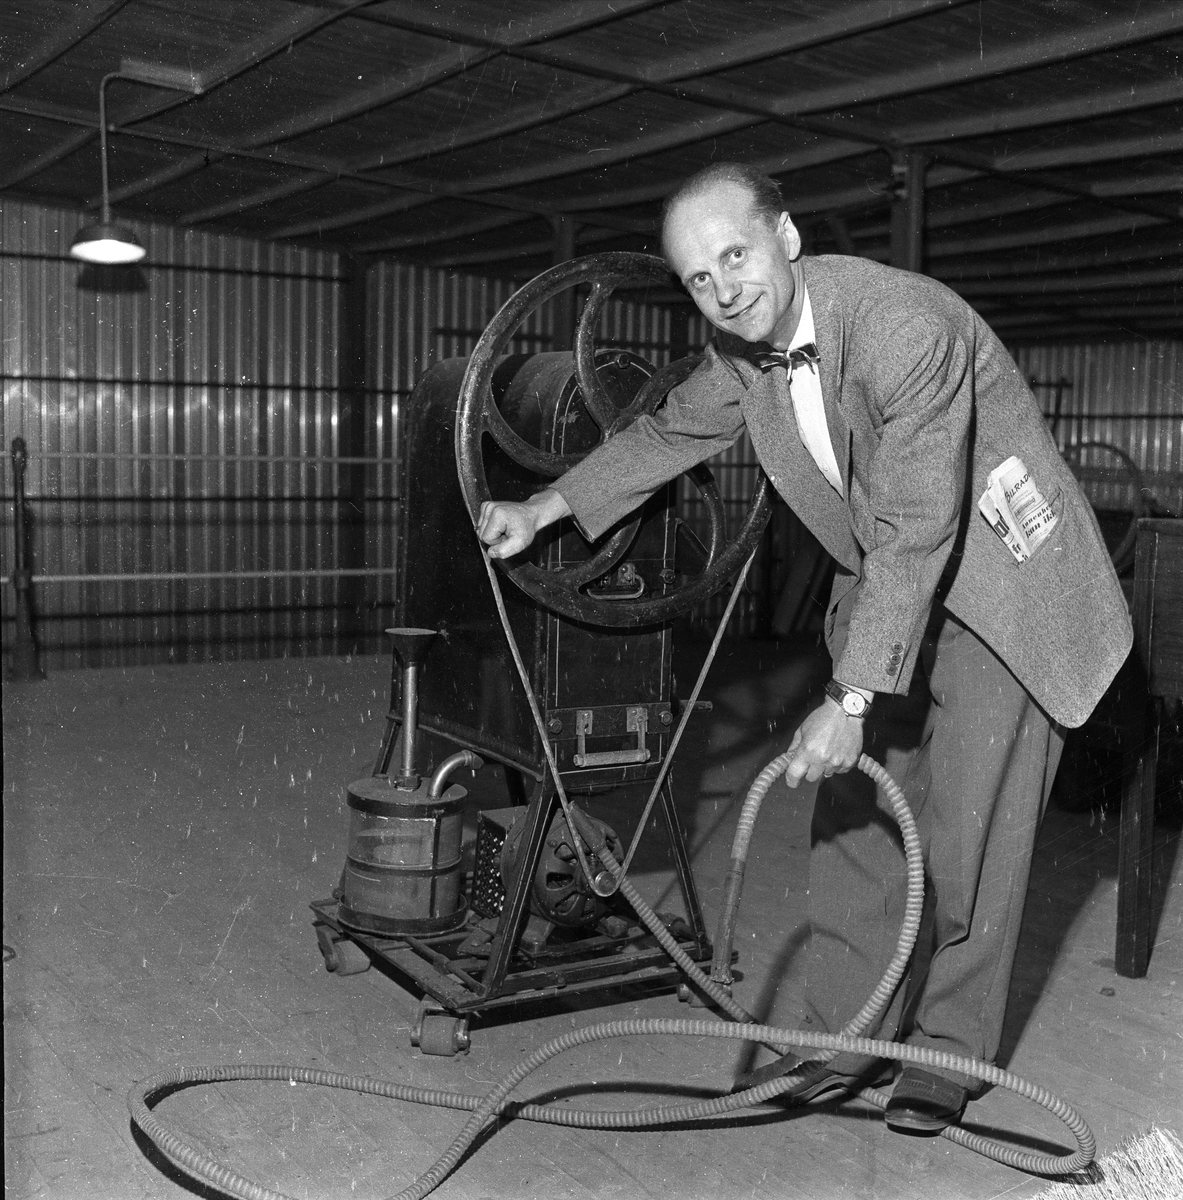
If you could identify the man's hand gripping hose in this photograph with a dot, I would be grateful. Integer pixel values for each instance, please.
(488, 1108)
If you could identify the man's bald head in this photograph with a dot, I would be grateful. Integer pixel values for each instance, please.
(767, 201)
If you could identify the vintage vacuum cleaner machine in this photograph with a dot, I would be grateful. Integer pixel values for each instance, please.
(518, 915)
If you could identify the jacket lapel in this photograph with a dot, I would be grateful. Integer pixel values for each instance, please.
(827, 335)
(772, 426)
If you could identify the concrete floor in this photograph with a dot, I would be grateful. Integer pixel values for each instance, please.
(165, 829)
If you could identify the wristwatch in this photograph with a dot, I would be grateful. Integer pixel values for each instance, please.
(852, 703)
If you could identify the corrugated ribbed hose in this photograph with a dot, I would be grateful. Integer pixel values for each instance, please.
(495, 1103)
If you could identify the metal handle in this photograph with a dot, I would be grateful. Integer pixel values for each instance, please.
(610, 758)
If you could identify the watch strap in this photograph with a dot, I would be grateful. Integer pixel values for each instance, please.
(839, 693)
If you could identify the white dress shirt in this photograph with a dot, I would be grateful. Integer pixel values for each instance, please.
(805, 387)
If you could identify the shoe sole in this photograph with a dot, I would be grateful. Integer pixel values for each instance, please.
(917, 1124)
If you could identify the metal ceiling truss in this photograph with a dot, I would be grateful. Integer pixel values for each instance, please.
(985, 262)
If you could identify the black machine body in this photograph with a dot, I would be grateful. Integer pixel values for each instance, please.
(524, 920)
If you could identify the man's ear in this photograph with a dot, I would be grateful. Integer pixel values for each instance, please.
(788, 231)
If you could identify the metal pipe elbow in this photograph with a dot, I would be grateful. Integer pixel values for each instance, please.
(463, 758)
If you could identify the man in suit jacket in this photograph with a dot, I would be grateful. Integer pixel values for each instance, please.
(892, 405)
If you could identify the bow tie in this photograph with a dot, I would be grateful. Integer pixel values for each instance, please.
(788, 359)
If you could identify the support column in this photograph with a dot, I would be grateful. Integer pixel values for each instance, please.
(907, 210)
(352, 422)
(25, 664)
(564, 304)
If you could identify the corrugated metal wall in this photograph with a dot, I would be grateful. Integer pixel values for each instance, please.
(231, 408)
(1110, 406)
(182, 417)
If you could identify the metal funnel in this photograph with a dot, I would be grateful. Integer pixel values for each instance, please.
(411, 645)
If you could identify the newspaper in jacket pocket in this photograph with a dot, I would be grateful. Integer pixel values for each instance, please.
(1016, 509)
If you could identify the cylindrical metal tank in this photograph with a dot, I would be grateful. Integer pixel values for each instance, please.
(403, 873)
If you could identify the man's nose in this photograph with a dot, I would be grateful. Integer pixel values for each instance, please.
(727, 292)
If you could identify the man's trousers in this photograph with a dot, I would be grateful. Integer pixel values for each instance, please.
(975, 757)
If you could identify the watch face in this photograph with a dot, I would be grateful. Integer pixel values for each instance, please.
(854, 704)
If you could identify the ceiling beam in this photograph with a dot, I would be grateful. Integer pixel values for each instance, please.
(449, 233)
(1076, 42)
(1156, 182)
(843, 199)
(1089, 153)
(272, 157)
(1123, 311)
(1037, 52)
(793, 110)
(569, 164)
(406, 83)
(790, 36)
(1020, 238)
(61, 41)
(1152, 276)
(522, 250)
(975, 213)
(274, 41)
(1156, 244)
(871, 14)
(1077, 108)
(397, 87)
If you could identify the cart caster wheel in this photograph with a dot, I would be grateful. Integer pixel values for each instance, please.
(688, 995)
(342, 955)
(349, 958)
(441, 1034)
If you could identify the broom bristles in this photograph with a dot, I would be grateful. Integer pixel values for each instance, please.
(1146, 1167)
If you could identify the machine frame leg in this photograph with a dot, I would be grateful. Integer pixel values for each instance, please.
(677, 837)
(513, 913)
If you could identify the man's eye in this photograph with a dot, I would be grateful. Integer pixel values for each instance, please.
(698, 281)
(737, 255)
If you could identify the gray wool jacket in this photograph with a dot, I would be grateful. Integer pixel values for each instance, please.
(922, 403)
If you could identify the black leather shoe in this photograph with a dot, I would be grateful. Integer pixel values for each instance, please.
(818, 1082)
(924, 1103)
(784, 1065)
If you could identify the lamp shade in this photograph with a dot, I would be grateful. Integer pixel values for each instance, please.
(107, 242)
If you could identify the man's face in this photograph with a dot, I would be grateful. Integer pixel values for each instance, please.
(742, 270)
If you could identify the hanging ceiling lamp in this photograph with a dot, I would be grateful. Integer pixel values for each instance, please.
(105, 241)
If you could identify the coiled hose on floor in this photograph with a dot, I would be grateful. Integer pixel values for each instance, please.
(495, 1103)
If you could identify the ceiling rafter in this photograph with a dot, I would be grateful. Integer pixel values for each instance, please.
(1037, 52)
(1152, 276)
(541, 246)
(476, 135)
(1020, 238)
(871, 14)
(845, 199)
(970, 213)
(1077, 108)
(276, 40)
(1031, 53)
(570, 164)
(61, 41)
(491, 199)
(854, 18)
(1097, 152)
(461, 229)
(405, 83)
(1043, 253)
(1147, 247)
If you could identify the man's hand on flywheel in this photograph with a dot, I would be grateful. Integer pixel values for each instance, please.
(507, 527)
